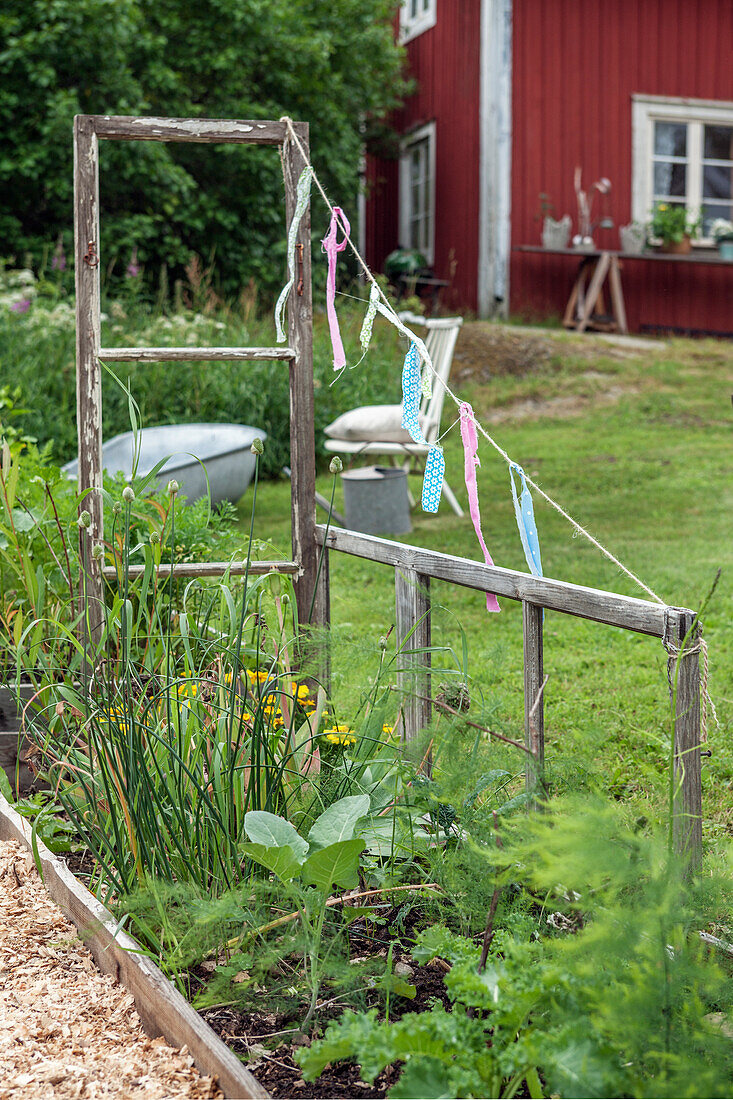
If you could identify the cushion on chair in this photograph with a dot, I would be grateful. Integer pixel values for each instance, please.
(372, 423)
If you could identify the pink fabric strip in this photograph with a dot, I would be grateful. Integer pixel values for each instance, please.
(470, 451)
(331, 246)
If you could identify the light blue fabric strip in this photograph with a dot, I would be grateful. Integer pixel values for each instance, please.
(524, 511)
(432, 485)
(411, 394)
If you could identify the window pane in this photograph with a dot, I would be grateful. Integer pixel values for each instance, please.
(415, 163)
(670, 179)
(716, 181)
(670, 139)
(711, 211)
(718, 143)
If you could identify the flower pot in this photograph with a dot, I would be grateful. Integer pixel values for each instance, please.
(556, 234)
(633, 238)
(677, 248)
(725, 248)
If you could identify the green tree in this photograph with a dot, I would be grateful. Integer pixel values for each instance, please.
(333, 63)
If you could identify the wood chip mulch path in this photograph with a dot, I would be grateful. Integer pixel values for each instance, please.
(66, 1030)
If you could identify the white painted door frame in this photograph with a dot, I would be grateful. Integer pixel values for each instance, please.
(495, 158)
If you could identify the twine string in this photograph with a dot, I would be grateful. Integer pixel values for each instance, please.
(577, 527)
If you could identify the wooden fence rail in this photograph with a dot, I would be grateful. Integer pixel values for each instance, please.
(415, 566)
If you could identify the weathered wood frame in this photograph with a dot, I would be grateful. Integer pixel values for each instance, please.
(88, 129)
(415, 566)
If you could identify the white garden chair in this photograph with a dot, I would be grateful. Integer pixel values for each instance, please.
(377, 429)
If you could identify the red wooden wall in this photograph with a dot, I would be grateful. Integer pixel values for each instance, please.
(445, 63)
(576, 65)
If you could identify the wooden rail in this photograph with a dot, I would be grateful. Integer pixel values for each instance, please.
(201, 130)
(193, 355)
(415, 566)
(208, 569)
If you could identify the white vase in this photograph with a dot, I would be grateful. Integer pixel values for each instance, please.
(633, 238)
(555, 234)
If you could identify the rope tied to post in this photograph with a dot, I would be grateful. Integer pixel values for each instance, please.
(695, 645)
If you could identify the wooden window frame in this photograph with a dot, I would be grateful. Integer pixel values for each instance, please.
(425, 134)
(695, 114)
(413, 25)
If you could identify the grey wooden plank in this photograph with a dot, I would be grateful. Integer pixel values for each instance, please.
(302, 439)
(12, 701)
(413, 630)
(572, 599)
(235, 131)
(534, 700)
(687, 822)
(160, 1006)
(196, 355)
(20, 776)
(87, 251)
(209, 569)
(703, 256)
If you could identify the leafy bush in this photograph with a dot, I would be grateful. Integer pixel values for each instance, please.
(229, 58)
(619, 999)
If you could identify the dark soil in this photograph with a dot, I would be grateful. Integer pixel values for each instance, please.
(253, 1035)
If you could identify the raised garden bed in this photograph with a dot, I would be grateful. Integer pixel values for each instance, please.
(161, 1008)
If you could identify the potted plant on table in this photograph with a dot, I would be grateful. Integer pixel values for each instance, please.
(721, 230)
(674, 227)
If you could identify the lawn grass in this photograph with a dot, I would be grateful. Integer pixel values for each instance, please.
(647, 471)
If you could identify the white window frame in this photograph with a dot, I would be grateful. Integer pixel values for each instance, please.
(415, 137)
(695, 113)
(413, 25)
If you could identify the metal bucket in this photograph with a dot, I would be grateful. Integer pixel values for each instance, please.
(376, 500)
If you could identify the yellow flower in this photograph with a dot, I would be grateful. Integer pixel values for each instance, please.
(340, 735)
(256, 677)
(662, 206)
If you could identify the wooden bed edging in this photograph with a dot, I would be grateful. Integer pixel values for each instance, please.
(162, 1009)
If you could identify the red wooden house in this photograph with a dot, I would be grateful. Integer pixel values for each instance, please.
(512, 96)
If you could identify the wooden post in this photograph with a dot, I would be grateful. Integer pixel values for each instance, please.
(687, 825)
(534, 703)
(594, 289)
(617, 295)
(323, 603)
(302, 441)
(88, 378)
(412, 613)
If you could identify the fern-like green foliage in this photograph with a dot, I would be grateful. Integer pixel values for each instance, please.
(623, 1000)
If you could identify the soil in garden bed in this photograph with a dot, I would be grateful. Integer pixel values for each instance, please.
(252, 1035)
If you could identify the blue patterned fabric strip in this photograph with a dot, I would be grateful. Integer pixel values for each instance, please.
(411, 394)
(432, 485)
(524, 511)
